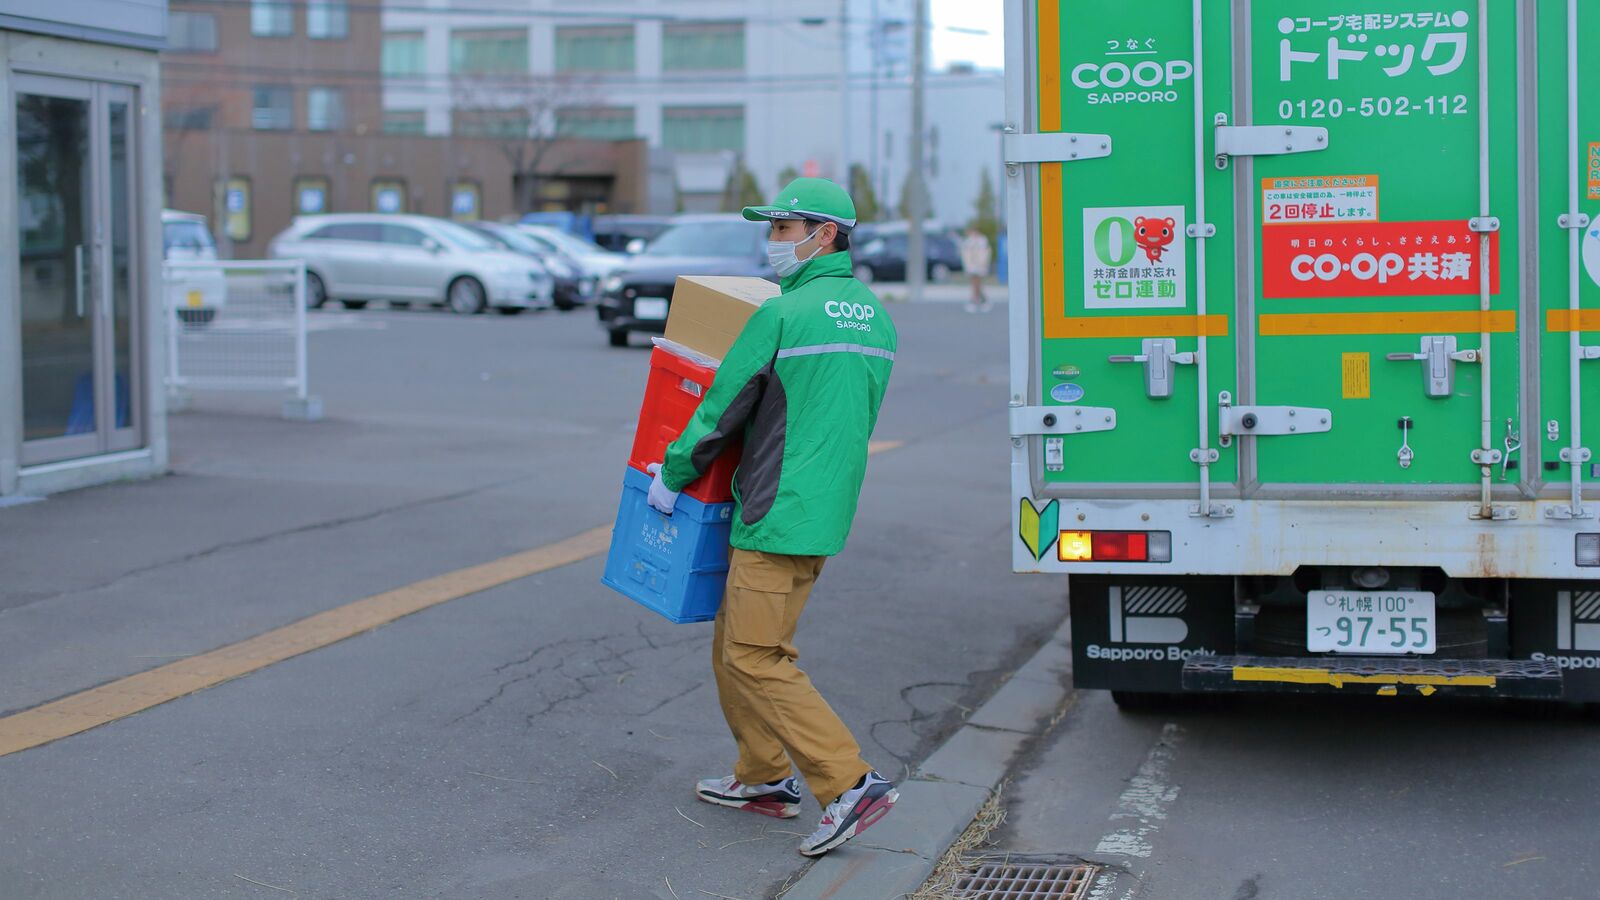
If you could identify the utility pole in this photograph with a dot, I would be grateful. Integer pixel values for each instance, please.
(873, 137)
(845, 57)
(916, 258)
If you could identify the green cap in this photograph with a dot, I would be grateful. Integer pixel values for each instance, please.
(817, 199)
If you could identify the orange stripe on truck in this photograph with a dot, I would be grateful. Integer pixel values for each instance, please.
(1215, 325)
(1562, 320)
(1453, 322)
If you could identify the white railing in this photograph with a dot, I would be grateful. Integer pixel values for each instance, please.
(239, 326)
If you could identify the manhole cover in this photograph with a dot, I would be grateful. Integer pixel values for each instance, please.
(1009, 881)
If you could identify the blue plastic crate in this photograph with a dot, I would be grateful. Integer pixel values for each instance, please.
(676, 566)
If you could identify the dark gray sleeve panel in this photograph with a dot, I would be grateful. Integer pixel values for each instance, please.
(733, 420)
(762, 466)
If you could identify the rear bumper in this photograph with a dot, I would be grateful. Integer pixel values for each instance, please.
(1384, 677)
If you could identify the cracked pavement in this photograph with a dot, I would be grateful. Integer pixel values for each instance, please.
(536, 740)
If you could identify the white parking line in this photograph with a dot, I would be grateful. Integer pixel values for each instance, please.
(1145, 802)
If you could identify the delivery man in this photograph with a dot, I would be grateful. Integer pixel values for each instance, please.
(802, 386)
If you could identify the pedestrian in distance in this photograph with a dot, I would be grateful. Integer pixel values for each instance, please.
(802, 385)
(976, 255)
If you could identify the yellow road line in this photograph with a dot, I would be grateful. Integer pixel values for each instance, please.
(1340, 679)
(118, 699)
(135, 693)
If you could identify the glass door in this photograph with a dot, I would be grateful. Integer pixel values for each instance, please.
(78, 271)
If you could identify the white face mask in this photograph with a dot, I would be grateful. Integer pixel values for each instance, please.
(784, 258)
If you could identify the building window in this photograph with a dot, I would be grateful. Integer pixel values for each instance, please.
(324, 109)
(328, 19)
(703, 46)
(405, 121)
(594, 49)
(403, 54)
(191, 32)
(609, 123)
(231, 199)
(702, 129)
(192, 118)
(388, 196)
(497, 123)
(271, 19)
(310, 195)
(489, 52)
(272, 109)
(465, 200)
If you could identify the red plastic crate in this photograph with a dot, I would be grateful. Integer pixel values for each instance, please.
(671, 395)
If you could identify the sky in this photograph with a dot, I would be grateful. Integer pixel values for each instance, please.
(946, 46)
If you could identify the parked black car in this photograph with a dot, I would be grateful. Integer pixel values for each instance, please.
(572, 287)
(617, 232)
(637, 297)
(882, 257)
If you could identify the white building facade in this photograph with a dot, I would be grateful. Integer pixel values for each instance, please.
(715, 83)
(82, 339)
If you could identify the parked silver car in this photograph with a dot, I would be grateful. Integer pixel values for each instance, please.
(355, 258)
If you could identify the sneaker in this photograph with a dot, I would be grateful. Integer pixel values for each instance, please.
(780, 799)
(855, 811)
(972, 307)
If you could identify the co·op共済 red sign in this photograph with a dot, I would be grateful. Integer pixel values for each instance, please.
(1375, 259)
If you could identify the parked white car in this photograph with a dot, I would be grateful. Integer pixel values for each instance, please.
(596, 261)
(194, 294)
(356, 258)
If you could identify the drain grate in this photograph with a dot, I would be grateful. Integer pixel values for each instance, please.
(1009, 881)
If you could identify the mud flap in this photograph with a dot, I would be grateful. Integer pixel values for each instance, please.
(1559, 621)
(1133, 633)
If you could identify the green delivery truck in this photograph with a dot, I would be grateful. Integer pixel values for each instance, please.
(1305, 337)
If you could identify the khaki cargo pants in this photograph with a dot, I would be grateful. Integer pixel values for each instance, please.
(772, 708)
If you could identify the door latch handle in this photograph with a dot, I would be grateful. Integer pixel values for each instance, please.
(1438, 357)
(1160, 357)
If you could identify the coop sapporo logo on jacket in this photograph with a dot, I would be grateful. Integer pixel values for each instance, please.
(1135, 257)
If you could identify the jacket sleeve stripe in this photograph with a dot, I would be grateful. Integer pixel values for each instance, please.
(818, 349)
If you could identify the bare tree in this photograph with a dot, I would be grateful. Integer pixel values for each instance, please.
(519, 112)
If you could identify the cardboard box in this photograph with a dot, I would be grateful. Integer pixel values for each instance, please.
(709, 311)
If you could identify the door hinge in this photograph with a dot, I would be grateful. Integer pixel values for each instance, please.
(1055, 146)
(1264, 140)
(1575, 220)
(1034, 420)
(1267, 420)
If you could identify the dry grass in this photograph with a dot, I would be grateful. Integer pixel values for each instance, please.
(941, 885)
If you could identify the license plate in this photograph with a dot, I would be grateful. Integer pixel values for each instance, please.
(650, 308)
(195, 299)
(1371, 622)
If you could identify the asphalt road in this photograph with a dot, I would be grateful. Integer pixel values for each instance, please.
(540, 739)
(1315, 798)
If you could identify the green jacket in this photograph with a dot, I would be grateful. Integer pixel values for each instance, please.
(802, 384)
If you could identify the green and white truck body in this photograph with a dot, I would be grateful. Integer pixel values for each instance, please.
(1305, 340)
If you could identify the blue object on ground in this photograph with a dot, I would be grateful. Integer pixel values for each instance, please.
(677, 565)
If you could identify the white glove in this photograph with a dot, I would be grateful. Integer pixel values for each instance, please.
(661, 499)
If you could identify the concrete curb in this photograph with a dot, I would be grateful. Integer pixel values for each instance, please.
(944, 794)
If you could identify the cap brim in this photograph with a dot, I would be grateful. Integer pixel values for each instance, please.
(764, 213)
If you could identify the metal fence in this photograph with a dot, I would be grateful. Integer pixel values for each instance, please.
(239, 326)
